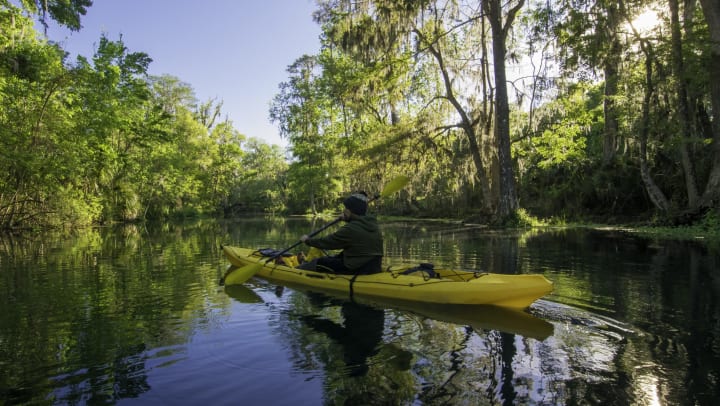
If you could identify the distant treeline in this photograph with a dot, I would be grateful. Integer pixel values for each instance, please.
(558, 109)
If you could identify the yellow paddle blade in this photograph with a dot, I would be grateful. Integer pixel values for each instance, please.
(394, 185)
(242, 274)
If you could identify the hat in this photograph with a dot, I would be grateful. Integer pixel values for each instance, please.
(357, 203)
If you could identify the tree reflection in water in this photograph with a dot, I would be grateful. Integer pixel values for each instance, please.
(359, 335)
(367, 354)
(346, 340)
(117, 315)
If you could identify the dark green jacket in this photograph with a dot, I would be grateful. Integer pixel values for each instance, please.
(360, 239)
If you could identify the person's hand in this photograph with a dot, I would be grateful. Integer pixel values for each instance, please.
(345, 216)
(304, 238)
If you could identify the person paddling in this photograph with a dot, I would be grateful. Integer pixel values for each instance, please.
(360, 240)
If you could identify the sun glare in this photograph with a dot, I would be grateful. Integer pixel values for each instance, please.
(646, 21)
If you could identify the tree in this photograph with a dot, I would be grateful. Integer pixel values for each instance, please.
(100, 141)
(36, 135)
(711, 10)
(65, 12)
(592, 35)
(493, 9)
(263, 185)
(300, 110)
(454, 37)
(474, 120)
(120, 125)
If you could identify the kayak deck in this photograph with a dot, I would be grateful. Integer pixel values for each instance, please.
(448, 287)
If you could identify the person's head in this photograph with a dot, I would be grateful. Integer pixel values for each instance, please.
(357, 203)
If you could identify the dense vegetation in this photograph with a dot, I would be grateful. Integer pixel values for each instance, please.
(98, 140)
(566, 109)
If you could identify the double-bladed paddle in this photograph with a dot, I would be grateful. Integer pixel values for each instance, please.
(246, 272)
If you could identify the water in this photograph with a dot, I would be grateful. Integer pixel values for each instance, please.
(135, 316)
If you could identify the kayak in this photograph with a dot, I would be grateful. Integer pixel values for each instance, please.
(406, 282)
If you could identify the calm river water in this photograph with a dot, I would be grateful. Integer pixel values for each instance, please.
(135, 315)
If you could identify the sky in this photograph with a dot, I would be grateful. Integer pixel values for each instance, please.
(236, 51)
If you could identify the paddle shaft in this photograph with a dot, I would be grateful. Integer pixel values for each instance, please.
(314, 233)
(332, 223)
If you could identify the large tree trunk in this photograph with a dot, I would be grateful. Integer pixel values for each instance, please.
(684, 111)
(711, 8)
(657, 197)
(610, 68)
(610, 132)
(508, 194)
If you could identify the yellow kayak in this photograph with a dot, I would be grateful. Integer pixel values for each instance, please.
(445, 286)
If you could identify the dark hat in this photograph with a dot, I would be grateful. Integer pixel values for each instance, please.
(357, 203)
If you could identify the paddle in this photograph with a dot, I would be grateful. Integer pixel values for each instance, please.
(241, 275)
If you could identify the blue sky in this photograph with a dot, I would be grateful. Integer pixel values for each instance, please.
(233, 50)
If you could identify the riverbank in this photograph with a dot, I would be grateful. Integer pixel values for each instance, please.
(707, 229)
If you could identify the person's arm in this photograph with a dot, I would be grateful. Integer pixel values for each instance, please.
(336, 241)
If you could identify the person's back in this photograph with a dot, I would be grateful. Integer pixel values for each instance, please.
(360, 240)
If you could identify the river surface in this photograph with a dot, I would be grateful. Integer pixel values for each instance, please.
(135, 315)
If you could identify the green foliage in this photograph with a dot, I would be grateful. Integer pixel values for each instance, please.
(708, 228)
(34, 128)
(522, 219)
(99, 141)
(304, 113)
(397, 88)
(561, 173)
(566, 130)
(261, 188)
(710, 223)
(65, 12)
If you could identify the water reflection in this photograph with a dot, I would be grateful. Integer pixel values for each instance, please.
(344, 344)
(135, 315)
(243, 294)
(82, 315)
(404, 355)
(359, 334)
(124, 377)
(477, 317)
